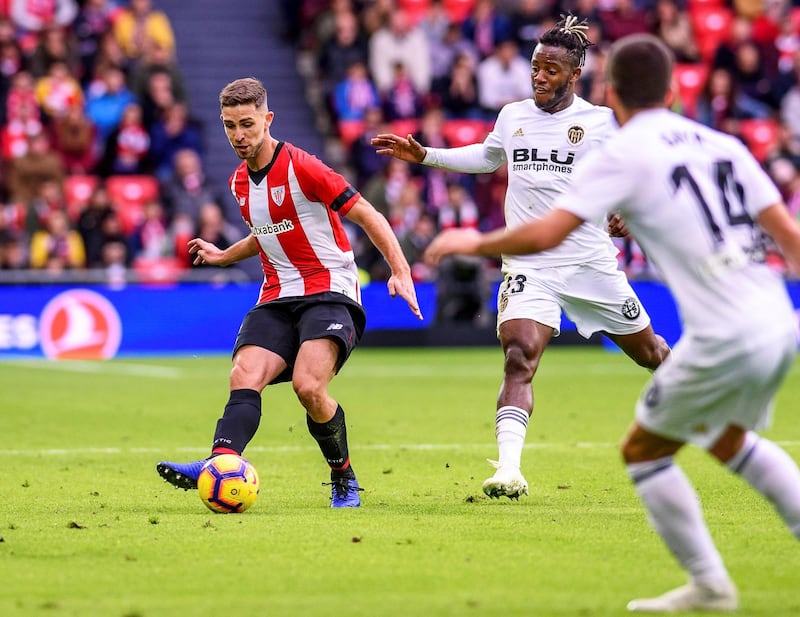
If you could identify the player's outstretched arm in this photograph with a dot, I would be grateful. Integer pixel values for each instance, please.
(381, 235)
(207, 253)
(533, 237)
(404, 148)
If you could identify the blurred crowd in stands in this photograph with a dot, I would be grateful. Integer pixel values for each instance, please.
(102, 160)
(102, 163)
(442, 69)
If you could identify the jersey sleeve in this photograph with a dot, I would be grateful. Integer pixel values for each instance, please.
(321, 183)
(478, 158)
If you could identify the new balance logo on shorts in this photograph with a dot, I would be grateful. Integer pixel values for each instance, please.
(335, 326)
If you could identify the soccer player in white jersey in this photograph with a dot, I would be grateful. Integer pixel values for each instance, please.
(699, 205)
(308, 318)
(542, 139)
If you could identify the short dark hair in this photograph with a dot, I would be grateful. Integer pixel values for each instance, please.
(639, 68)
(245, 91)
(569, 34)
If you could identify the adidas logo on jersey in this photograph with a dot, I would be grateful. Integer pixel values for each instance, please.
(518, 133)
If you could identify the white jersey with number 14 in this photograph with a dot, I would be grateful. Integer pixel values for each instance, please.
(691, 196)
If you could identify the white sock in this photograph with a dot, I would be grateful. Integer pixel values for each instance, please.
(674, 512)
(773, 473)
(511, 424)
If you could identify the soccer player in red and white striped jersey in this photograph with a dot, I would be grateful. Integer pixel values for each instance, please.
(308, 317)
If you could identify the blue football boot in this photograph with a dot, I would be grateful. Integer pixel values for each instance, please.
(181, 475)
(344, 493)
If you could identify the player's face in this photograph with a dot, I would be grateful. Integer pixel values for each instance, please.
(552, 77)
(247, 129)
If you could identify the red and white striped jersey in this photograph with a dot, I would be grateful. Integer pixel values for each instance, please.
(295, 214)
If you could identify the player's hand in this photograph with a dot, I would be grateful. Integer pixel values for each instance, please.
(205, 253)
(616, 226)
(403, 285)
(404, 148)
(453, 242)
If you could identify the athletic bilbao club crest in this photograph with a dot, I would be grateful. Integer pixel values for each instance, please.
(278, 193)
(79, 325)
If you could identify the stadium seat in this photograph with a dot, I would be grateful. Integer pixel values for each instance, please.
(711, 26)
(349, 131)
(794, 17)
(693, 4)
(761, 136)
(690, 79)
(415, 9)
(129, 194)
(462, 132)
(458, 10)
(157, 270)
(78, 191)
(404, 127)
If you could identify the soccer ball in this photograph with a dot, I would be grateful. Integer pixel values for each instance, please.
(228, 483)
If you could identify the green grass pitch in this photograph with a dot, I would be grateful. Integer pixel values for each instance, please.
(89, 529)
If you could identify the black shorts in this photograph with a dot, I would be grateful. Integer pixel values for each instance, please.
(281, 326)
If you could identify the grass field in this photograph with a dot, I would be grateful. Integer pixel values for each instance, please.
(89, 529)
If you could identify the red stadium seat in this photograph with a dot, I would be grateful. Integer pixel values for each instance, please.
(129, 194)
(415, 9)
(404, 127)
(349, 131)
(711, 26)
(761, 136)
(693, 4)
(157, 270)
(458, 10)
(462, 132)
(78, 190)
(690, 79)
(794, 17)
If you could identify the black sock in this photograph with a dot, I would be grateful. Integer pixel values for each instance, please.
(332, 439)
(239, 423)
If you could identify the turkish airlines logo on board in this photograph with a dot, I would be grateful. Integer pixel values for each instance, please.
(80, 325)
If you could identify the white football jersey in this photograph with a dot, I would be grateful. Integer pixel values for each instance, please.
(690, 196)
(541, 150)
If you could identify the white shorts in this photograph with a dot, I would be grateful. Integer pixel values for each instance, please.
(595, 296)
(706, 385)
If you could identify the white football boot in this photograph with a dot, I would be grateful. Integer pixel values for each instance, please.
(507, 481)
(691, 597)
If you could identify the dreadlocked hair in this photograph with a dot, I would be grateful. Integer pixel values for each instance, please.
(569, 34)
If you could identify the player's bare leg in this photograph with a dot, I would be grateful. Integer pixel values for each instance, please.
(523, 342)
(645, 347)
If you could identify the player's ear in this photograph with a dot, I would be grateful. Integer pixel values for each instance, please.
(672, 96)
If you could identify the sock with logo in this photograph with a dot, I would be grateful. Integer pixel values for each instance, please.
(674, 512)
(511, 425)
(238, 423)
(331, 437)
(773, 473)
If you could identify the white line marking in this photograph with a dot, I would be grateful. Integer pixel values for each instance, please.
(280, 449)
(119, 368)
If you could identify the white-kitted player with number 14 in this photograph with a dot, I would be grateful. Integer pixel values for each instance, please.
(699, 205)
